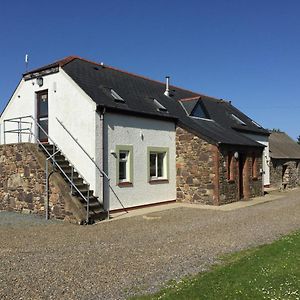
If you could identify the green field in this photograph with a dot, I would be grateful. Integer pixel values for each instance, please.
(268, 272)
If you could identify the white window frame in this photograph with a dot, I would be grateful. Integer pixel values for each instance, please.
(165, 171)
(128, 149)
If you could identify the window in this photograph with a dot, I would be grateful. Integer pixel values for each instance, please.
(158, 163)
(199, 112)
(230, 166)
(159, 106)
(238, 120)
(116, 96)
(124, 164)
(256, 124)
(254, 166)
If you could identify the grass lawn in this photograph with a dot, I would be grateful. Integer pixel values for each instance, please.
(268, 272)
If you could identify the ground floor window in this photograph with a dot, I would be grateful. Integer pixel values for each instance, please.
(158, 163)
(254, 166)
(230, 166)
(124, 164)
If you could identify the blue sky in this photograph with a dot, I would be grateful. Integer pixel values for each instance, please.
(244, 51)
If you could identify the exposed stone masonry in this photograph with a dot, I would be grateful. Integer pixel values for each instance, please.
(194, 164)
(202, 171)
(22, 184)
(284, 173)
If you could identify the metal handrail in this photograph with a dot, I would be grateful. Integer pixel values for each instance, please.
(49, 138)
(101, 171)
(51, 156)
(76, 141)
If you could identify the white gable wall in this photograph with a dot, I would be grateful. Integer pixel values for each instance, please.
(72, 106)
(139, 133)
(264, 140)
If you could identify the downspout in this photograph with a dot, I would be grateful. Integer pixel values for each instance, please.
(105, 201)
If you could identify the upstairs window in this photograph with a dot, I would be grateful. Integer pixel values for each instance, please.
(159, 106)
(256, 124)
(199, 112)
(116, 96)
(238, 120)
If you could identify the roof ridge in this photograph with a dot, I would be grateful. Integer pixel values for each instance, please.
(146, 78)
(189, 99)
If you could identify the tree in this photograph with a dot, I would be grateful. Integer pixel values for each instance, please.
(298, 139)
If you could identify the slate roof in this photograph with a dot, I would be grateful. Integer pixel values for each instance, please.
(138, 92)
(283, 147)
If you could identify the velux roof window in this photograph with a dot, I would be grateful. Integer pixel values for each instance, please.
(256, 124)
(116, 96)
(238, 120)
(159, 106)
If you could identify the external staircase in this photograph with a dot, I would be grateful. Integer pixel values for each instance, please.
(78, 188)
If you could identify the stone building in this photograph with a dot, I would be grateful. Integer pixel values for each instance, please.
(217, 163)
(123, 141)
(285, 159)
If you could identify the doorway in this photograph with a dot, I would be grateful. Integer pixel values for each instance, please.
(42, 115)
(241, 175)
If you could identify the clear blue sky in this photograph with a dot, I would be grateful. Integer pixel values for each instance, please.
(244, 51)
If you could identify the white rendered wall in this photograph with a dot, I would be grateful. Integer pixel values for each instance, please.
(128, 130)
(264, 140)
(68, 103)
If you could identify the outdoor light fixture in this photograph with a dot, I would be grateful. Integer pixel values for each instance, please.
(236, 155)
(40, 81)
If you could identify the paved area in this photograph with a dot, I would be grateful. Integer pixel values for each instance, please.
(113, 260)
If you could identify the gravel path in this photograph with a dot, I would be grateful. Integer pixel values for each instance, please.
(112, 260)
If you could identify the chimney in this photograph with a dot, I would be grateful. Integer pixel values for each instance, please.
(167, 91)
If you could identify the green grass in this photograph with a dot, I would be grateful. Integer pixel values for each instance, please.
(268, 272)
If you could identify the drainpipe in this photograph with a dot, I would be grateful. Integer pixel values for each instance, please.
(106, 203)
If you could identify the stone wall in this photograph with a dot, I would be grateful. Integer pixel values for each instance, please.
(22, 185)
(230, 188)
(195, 168)
(284, 173)
(202, 171)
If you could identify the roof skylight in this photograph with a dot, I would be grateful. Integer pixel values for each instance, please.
(116, 96)
(238, 120)
(159, 106)
(256, 124)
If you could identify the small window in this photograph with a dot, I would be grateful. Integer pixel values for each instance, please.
(254, 166)
(116, 96)
(199, 112)
(159, 106)
(238, 120)
(124, 164)
(158, 163)
(256, 124)
(230, 166)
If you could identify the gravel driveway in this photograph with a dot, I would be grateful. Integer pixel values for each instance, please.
(115, 259)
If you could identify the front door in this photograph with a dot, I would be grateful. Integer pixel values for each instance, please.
(42, 115)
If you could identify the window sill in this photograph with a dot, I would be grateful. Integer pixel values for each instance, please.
(157, 181)
(125, 184)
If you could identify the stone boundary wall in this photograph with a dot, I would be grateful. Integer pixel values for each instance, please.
(22, 185)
